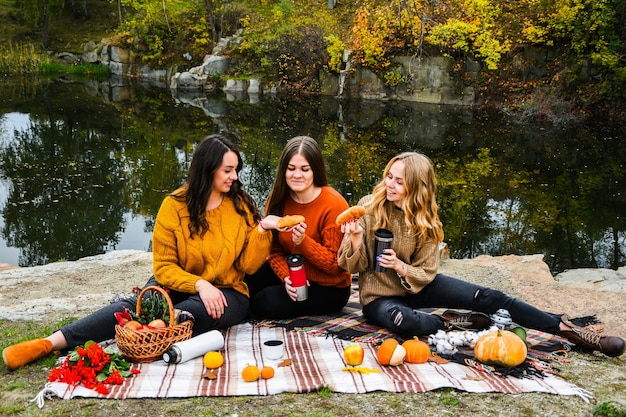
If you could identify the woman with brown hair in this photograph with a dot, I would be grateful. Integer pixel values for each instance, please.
(301, 188)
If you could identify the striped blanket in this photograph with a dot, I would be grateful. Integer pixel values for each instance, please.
(315, 346)
(315, 362)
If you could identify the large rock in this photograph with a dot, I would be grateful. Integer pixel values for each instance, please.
(71, 289)
(594, 278)
(51, 292)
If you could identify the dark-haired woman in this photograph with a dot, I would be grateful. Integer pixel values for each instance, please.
(208, 235)
(301, 188)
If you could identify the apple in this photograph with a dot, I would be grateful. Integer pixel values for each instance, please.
(353, 354)
(133, 324)
(157, 324)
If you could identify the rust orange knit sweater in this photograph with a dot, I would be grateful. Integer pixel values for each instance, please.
(227, 251)
(321, 241)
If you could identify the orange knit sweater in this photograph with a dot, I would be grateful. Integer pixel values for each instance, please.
(321, 241)
(227, 251)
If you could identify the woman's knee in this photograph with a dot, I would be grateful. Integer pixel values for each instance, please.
(402, 319)
(491, 300)
(387, 313)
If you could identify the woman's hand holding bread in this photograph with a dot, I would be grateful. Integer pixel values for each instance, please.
(350, 214)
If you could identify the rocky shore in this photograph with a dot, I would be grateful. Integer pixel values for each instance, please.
(45, 294)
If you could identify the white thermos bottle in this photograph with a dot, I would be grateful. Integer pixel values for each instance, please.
(192, 348)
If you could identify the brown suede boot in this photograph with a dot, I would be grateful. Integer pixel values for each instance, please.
(589, 340)
(465, 321)
(23, 353)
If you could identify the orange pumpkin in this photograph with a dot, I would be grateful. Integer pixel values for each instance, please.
(251, 373)
(501, 347)
(416, 350)
(267, 372)
(390, 352)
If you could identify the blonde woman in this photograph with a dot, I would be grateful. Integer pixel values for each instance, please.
(404, 202)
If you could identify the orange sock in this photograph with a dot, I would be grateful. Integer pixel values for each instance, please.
(23, 353)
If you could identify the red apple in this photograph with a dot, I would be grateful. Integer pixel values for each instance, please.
(157, 324)
(353, 354)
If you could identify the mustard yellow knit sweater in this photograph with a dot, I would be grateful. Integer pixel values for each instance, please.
(227, 251)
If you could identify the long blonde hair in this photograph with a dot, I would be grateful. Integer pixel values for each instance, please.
(419, 205)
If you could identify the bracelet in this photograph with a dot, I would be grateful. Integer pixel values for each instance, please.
(403, 270)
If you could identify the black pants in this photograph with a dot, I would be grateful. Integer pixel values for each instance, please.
(399, 314)
(100, 325)
(269, 298)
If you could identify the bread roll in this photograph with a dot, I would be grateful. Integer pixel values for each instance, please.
(289, 221)
(352, 213)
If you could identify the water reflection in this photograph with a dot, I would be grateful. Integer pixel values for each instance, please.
(95, 161)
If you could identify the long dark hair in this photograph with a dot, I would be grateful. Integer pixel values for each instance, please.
(307, 147)
(207, 159)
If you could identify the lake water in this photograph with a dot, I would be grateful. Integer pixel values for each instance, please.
(84, 167)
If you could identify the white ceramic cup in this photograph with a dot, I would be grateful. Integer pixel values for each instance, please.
(273, 349)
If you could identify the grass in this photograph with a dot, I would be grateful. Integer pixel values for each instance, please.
(595, 373)
(22, 59)
(26, 59)
(609, 409)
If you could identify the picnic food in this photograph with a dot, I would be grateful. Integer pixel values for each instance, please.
(416, 350)
(352, 213)
(267, 372)
(353, 354)
(133, 324)
(390, 352)
(521, 333)
(213, 360)
(289, 220)
(500, 347)
(250, 373)
(157, 324)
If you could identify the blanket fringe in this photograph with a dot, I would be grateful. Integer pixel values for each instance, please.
(583, 393)
(46, 393)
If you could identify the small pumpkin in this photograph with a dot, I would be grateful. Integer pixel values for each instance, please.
(390, 352)
(500, 347)
(267, 372)
(416, 350)
(250, 373)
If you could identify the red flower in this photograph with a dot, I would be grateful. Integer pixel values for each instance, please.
(94, 367)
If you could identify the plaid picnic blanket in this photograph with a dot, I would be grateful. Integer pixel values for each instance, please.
(315, 362)
(314, 347)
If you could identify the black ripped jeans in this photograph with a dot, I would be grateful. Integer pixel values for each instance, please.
(399, 314)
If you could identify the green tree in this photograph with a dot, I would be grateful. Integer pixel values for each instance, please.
(38, 14)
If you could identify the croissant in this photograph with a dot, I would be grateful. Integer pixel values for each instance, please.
(289, 221)
(352, 213)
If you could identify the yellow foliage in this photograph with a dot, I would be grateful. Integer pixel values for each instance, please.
(335, 50)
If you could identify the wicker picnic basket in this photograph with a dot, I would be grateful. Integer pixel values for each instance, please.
(148, 345)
